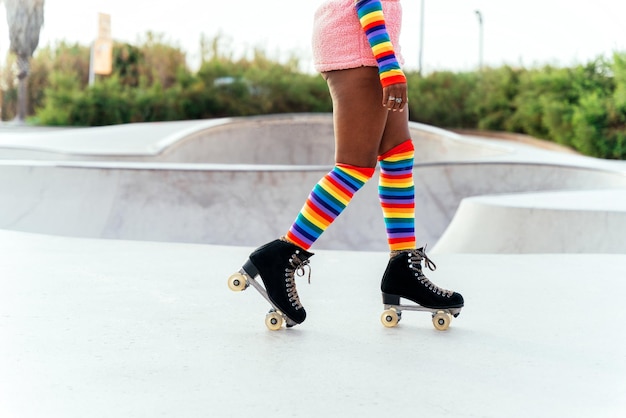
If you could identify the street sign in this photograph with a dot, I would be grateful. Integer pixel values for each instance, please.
(103, 47)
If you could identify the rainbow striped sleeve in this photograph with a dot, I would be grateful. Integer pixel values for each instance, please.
(370, 14)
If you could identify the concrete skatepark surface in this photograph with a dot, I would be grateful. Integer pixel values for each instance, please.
(124, 327)
(105, 328)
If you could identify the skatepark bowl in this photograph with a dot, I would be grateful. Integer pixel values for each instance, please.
(241, 181)
(116, 243)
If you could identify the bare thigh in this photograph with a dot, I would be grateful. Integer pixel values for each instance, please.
(364, 128)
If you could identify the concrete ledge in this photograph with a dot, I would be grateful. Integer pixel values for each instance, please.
(555, 222)
(285, 139)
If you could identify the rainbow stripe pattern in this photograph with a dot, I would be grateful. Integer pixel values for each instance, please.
(327, 200)
(396, 191)
(372, 20)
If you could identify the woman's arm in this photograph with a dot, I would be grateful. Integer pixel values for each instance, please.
(370, 14)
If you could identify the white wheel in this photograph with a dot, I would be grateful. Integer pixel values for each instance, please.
(237, 282)
(273, 321)
(441, 320)
(390, 318)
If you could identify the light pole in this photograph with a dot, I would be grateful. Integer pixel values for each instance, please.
(421, 51)
(480, 39)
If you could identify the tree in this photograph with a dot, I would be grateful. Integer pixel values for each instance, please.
(25, 18)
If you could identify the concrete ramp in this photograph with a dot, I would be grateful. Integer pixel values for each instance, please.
(241, 181)
(554, 222)
(286, 139)
(240, 205)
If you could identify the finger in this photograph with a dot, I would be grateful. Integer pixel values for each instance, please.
(391, 100)
(396, 104)
(386, 97)
(405, 102)
(395, 98)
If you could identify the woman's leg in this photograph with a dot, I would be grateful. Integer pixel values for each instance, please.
(364, 128)
(365, 132)
(359, 124)
(396, 189)
(404, 277)
(396, 192)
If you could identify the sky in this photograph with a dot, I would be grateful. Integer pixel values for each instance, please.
(528, 33)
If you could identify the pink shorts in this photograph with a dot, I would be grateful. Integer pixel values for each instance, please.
(340, 43)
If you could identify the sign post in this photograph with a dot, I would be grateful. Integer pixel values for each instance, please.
(101, 62)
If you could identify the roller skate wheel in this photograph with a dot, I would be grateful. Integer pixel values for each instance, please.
(441, 320)
(273, 321)
(390, 318)
(237, 282)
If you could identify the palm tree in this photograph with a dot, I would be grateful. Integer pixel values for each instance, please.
(25, 18)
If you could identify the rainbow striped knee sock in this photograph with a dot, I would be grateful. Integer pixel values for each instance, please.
(396, 191)
(327, 200)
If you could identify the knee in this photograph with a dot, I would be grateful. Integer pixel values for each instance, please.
(406, 148)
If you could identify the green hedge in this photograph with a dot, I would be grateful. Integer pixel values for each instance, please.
(220, 88)
(583, 107)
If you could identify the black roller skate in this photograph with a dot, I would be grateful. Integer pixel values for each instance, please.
(404, 278)
(277, 263)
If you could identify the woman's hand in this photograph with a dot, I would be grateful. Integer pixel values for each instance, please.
(395, 97)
